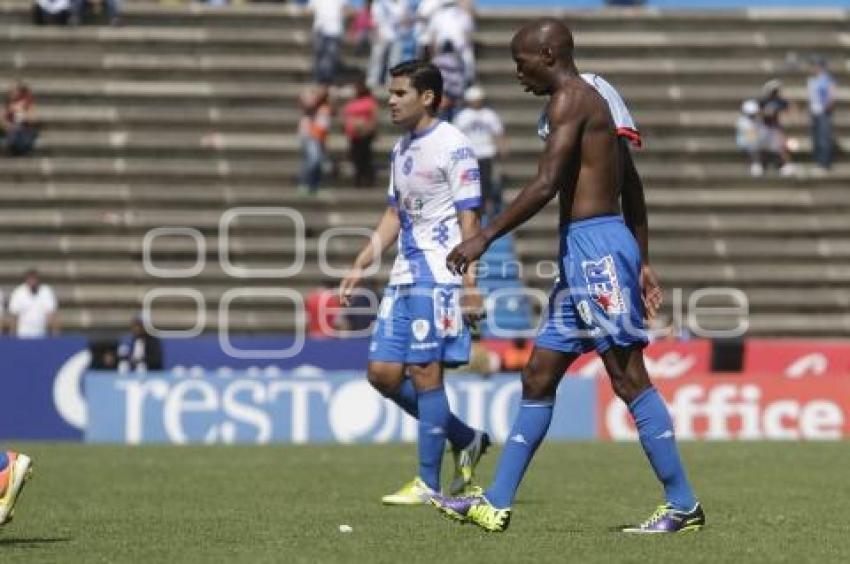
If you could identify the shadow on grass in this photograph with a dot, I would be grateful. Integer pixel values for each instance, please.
(34, 542)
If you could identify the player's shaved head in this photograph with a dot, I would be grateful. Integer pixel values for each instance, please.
(545, 34)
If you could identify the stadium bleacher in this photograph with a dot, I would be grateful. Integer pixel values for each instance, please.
(187, 111)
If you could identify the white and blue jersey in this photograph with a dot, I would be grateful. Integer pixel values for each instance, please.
(433, 176)
(623, 120)
(596, 302)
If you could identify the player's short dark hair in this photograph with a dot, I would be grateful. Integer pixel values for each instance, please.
(423, 76)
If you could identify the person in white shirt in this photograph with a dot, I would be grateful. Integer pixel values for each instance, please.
(391, 18)
(424, 318)
(32, 308)
(328, 27)
(449, 23)
(51, 12)
(487, 134)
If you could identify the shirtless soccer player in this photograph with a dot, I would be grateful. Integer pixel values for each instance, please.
(434, 197)
(596, 305)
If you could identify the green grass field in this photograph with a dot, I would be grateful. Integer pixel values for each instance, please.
(779, 502)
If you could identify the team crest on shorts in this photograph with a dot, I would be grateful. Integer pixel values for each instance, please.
(603, 286)
(420, 328)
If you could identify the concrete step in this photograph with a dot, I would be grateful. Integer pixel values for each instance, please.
(720, 199)
(520, 123)
(286, 146)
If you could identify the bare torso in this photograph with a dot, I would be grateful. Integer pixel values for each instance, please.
(592, 176)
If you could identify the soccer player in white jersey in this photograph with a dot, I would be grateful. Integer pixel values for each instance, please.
(424, 317)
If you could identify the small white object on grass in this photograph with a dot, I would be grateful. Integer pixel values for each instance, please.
(345, 529)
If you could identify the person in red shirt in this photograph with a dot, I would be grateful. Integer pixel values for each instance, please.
(18, 122)
(323, 311)
(362, 26)
(360, 122)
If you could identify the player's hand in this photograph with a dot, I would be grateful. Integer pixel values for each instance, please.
(465, 254)
(650, 291)
(346, 287)
(472, 306)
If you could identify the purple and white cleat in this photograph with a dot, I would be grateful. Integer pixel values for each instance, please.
(669, 520)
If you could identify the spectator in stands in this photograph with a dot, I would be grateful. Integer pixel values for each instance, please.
(515, 357)
(32, 308)
(79, 8)
(141, 351)
(323, 311)
(328, 26)
(46, 12)
(821, 87)
(481, 360)
(360, 121)
(313, 132)
(451, 67)
(361, 29)
(391, 18)
(485, 131)
(773, 107)
(750, 135)
(18, 123)
(449, 23)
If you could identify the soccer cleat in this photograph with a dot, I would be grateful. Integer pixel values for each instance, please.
(466, 459)
(474, 509)
(669, 520)
(13, 478)
(415, 492)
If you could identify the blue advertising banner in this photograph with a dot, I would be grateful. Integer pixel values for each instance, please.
(261, 352)
(42, 378)
(42, 397)
(302, 407)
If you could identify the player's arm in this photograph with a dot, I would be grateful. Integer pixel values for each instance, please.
(472, 303)
(384, 235)
(635, 216)
(555, 165)
(634, 202)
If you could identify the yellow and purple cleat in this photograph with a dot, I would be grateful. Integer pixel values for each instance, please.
(13, 478)
(415, 492)
(466, 460)
(474, 509)
(669, 520)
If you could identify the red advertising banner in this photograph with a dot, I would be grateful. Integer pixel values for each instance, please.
(664, 360)
(796, 358)
(741, 407)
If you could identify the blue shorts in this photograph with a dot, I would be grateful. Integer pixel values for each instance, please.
(420, 324)
(596, 302)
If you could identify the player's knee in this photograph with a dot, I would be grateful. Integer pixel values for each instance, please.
(426, 377)
(537, 383)
(626, 386)
(384, 381)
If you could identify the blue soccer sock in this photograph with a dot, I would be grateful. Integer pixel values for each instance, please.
(655, 429)
(407, 398)
(458, 433)
(4, 460)
(528, 431)
(435, 415)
